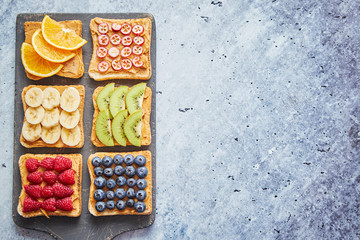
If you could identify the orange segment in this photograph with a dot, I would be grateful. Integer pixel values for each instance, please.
(58, 36)
(35, 64)
(49, 52)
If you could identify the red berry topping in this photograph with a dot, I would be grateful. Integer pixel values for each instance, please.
(47, 163)
(67, 177)
(33, 191)
(61, 191)
(49, 177)
(30, 204)
(64, 204)
(32, 164)
(49, 205)
(62, 164)
(47, 192)
(34, 177)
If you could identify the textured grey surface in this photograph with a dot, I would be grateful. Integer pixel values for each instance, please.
(257, 117)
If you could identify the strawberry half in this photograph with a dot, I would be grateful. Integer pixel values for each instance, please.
(48, 163)
(33, 191)
(64, 204)
(32, 164)
(67, 177)
(34, 177)
(49, 205)
(49, 177)
(30, 204)
(61, 191)
(62, 163)
(47, 192)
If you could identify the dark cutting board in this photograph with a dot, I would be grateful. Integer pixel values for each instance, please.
(86, 226)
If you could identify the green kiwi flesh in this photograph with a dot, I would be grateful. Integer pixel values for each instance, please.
(134, 98)
(117, 100)
(103, 98)
(103, 128)
(118, 127)
(132, 128)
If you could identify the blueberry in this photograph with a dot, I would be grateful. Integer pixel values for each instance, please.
(98, 171)
(140, 160)
(142, 172)
(100, 182)
(140, 206)
(99, 195)
(110, 183)
(100, 206)
(141, 184)
(131, 182)
(130, 193)
(108, 172)
(120, 193)
(130, 203)
(129, 159)
(120, 181)
(119, 170)
(110, 204)
(120, 205)
(130, 171)
(107, 161)
(110, 195)
(141, 195)
(118, 159)
(96, 161)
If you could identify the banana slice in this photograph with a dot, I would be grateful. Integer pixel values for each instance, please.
(69, 120)
(71, 137)
(51, 118)
(34, 115)
(70, 99)
(34, 97)
(51, 135)
(31, 132)
(51, 98)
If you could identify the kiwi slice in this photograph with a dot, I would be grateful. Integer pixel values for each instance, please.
(103, 128)
(134, 98)
(132, 128)
(117, 100)
(118, 127)
(103, 98)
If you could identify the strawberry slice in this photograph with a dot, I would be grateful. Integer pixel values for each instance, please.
(125, 52)
(30, 204)
(64, 204)
(114, 52)
(138, 40)
(32, 164)
(103, 66)
(49, 205)
(137, 50)
(33, 191)
(101, 52)
(116, 64)
(67, 177)
(126, 41)
(116, 27)
(103, 40)
(126, 64)
(137, 62)
(115, 39)
(61, 191)
(138, 29)
(125, 29)
(34, 177)
(103, 28)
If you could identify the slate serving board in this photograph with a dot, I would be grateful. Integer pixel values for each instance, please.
(86, 226)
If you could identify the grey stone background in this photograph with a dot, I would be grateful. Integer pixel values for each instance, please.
(258, 116)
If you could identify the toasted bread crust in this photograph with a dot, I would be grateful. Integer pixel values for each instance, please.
(145, 130)
(59, 143)
(76, 197)
(74, 68)
(143, 73)
(126, 211)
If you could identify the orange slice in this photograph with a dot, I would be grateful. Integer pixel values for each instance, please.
(59, 36)
(35, 64)
(49, 52)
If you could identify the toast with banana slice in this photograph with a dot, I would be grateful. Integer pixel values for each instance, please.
(32, 199)
(53, 116)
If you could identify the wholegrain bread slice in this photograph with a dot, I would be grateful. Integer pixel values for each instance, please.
(59, 143)
(126, 211)
(73, 68)
(145, 129)
(142, 73)
(76, 197)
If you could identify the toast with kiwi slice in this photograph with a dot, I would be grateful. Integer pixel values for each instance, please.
(132, 109)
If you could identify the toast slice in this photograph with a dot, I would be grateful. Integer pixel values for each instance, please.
(74, 68)
(143, 72)
(145, 129)
(115, 211)
(76, 197)
(59, 143)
